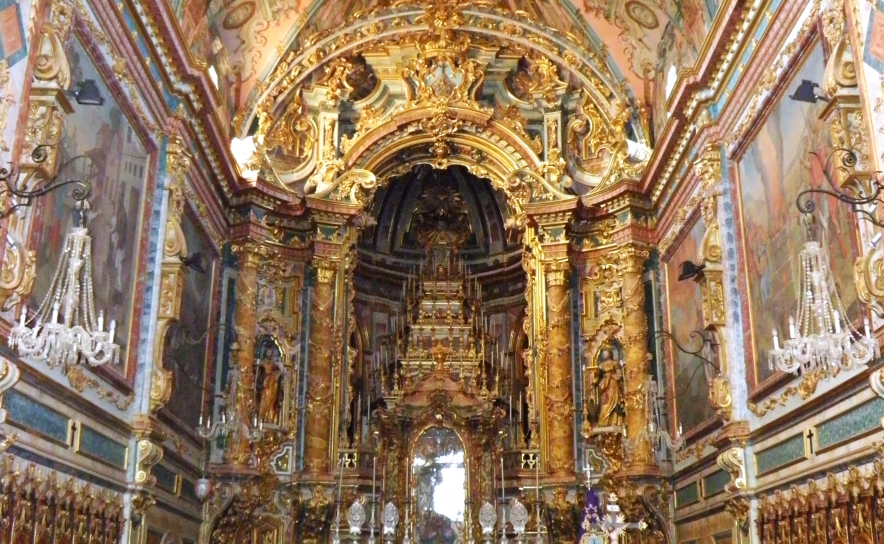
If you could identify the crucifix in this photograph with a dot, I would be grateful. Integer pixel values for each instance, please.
(614, 523)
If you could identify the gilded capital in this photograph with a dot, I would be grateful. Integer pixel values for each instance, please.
(632, 259)
(250, 254)
(708, 166)
(325, 270)
(557, 272)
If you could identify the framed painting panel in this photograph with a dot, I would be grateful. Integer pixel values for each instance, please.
(118, 165)
(785, 156)
(187, 349)
(689, 380)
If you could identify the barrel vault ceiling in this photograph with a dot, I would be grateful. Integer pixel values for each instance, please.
(645, 43)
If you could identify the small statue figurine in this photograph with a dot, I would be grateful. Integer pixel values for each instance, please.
(268, 407)
(610, 389)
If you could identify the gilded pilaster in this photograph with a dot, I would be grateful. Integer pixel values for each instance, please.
(548, 272)
(320, 379)
(711, 280)
(250, 255)
(559, 396)
(174, 271)
(635, 334)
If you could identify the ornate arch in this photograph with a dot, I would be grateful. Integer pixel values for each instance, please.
(395, 26)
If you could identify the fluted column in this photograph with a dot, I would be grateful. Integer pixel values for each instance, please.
(320, 390)
(635, 347)
(559, 397)
(244, 321)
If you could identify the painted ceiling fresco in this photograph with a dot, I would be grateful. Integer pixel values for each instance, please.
(646, 41)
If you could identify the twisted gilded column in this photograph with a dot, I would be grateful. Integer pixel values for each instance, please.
(320, 388)
(250, 255)
(635, 346)
(559, 397)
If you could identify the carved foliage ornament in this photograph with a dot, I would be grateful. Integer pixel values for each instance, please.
(294, 134)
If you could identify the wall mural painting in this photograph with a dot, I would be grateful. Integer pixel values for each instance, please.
(776, 166)
(186, 349)
(690, 381)
(119, 177)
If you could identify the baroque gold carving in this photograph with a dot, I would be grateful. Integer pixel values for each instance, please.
(18, 271)
(39, 506)
(511, 117)
(295, 134)
(804, 390)
(544, 79)
(7, 99)
(845, 501)
(81, 382)
(52, 64)
(147, 455)
(876, 381)
(732, 460)
(591, 141)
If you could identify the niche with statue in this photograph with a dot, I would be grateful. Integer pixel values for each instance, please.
(604, 380)
(270, 380)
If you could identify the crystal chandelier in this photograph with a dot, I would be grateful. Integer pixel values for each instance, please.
(821, 338)
(79, 334)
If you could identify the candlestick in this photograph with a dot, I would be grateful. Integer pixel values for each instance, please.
(502, 482)
(338, 509)
(374, 498)
(537, 475)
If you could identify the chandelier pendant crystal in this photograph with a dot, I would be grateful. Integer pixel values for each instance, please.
(66, 330)
(821, 338)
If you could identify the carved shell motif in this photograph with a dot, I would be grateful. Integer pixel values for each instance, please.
(390, 519)
(518, 516)
(487, 518)
(356, 517)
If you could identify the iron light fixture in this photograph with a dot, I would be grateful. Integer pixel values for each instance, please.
(689, 270)
(88, 94)
(806, 92)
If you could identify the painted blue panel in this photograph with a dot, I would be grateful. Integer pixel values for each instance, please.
(715, 483)
(167, 479)
(26, 412)
(852, 423)
(780, 455)
(688, 494)
(101, 448)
